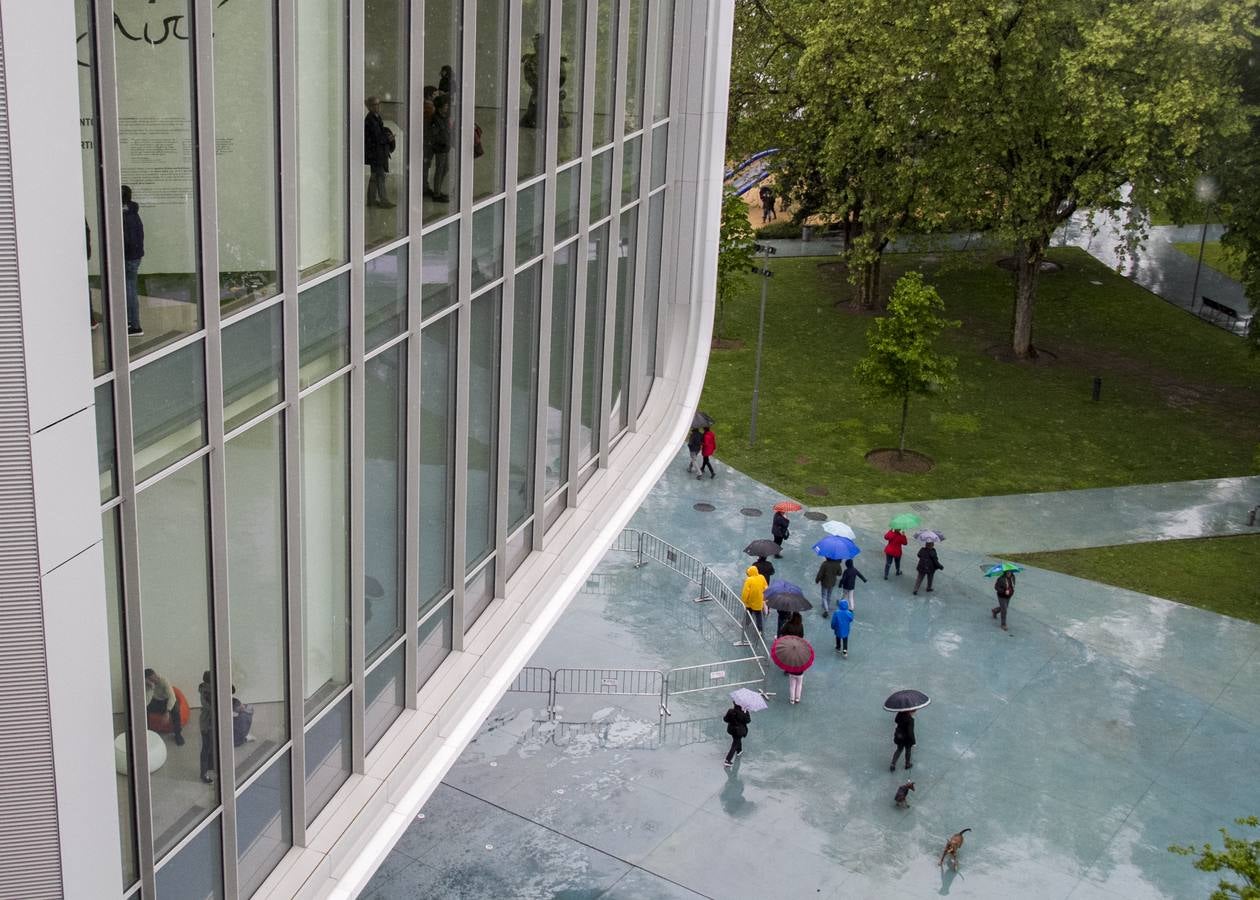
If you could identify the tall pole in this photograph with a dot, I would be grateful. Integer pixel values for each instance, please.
(761, 331)
(1194, 291)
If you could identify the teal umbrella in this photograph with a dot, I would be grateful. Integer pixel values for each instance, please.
(999, 569)
(904, 521)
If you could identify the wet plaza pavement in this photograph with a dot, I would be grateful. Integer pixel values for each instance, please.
(1102, 727)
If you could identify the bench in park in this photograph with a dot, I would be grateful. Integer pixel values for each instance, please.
(1218, 310)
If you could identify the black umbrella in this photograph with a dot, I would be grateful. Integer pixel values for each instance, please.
(701, 420)
(783, 596)
(762, 547)
(906, 700)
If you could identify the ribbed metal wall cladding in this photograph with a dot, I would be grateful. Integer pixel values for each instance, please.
(30, 855)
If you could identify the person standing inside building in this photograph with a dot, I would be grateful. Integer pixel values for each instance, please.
(754, 596)
(708, 446)
(929, 564)
(896, 539)
(848, 581)
(133, 252)
(531, 64)
(1004, 587)
(205, 692)
(779, 530)
(378, 144)
(694, 443)
(828, 573)
(160, 699)
(440, 144)
(736, 719)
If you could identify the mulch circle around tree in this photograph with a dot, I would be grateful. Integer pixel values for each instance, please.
(1047, 265)
(703, 507)
(1004, 353)
(907, 462)
(727, 344)
(815, 516)
(751, 511)
(816, 490)
(802, 460)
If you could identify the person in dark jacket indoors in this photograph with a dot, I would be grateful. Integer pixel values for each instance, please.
(378, 144)
(903, 737)
(929, 565)
(779, 530)
(828, 573)
(1004, 587)
(133, 253)
(895, 540)
(848, 581)
(708, 446)
(736, 719)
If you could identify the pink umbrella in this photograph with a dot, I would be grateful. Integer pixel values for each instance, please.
(792, 654)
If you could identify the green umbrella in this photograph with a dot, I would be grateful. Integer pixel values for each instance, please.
(999, 569)
(904, 521)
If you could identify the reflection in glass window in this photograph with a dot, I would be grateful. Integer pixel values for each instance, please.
(567, 201)
(93, 213)
(106, 460)
(159, 193)
(490, 121)
(246, 161)
(636, 64)
(328, 757)
(253, 352)
(385, 297)
(572, 64)
(433, 644)
(386, 37)
(321, 138)
(324, 328)
(487, 241)
(559, 381)
(118, 692)
(197, 869)
(651, 295)
(384, 502)
(439, 272)
(525, 318)
(630, 167)
(168, 406)
(593, 344)
(601, 186)
(660, 154)
(605, 70)
(478, 592)
(483, 419)
(264, 825)
(175, 604)
(437, 451)
(534, 97)
(443, 38)
(627, 248)
(384, 697)
(529, 222)
(254, 463)
(663, 15)
(325, 539)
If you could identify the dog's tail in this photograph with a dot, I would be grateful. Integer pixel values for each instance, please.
(964, 831)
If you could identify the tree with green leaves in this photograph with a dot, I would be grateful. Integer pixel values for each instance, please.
(901, 354)
(1240, 856)
(737, 244)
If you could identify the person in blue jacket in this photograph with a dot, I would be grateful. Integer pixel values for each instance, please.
(841, 621)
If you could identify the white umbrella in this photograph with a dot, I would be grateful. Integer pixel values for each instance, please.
(749, 700)
(840, 529)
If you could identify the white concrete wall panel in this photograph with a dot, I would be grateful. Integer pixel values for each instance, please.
(63, 456)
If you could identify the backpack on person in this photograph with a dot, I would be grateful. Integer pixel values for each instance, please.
(1004, 587)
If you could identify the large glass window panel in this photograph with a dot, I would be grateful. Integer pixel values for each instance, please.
(525, 329)
(321, 138)
(593, 344)
(384, 502)
(196, 871)
(386, 39)
(247, 189)
(529, 222)
(324, 328)
(168, 407)
(605, 70)
(385, 297)
(559, 381)
(660, 154)
(630, 162)
(568, 206)
(328, 758)
(93, 212)
(478, 592)
(627, 250)
(439, 275)
(437, 451)
(663, 27)
(443, 38)
(254, 463)
(264, 825)
(118, 694)
(572, 65)
(385, 697)
(487, 241)
(175, 604)
(106, 459)
(159, 188)
(433, 643)
(534, 97)
(325, 544)
(491, 98)
(253, 359)
(651, 295)
(636, 64)
(601, 185)
(483, 419)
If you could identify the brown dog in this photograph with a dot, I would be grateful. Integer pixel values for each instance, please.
(951, 849)
(903, 794)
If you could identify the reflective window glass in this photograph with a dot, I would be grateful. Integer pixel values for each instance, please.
(605, 69)
(437, 450)
(601, 185)
(663, 27)
(168, 408)
(529, 222)
(630, 166)
(385, 297)
(635, 64)
(433, 643)
(196, 871)
(490, 121)
(534, 97)
(386, 40)
(660, 154)
(324, 328)
(478, 592)
(651, 295)
(559, 380)
(254, 464)
(118, 693)
(385, 500)
(264, 825)
(175, 605)
(246, 146)
(96, 288)
(384, 697)
(443, 38)
(483, 419)
(325, 540)
(321, 138)
(568, 201)
(627, 249)
(253, 358)
(572, 64)
(106, 460)
(593, 344)
(487, 241)
(328, 758)
(525, 318)
(439, 272)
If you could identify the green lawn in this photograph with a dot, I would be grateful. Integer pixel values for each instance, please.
(1214, 255)
(1180, 398)
(1218, 574)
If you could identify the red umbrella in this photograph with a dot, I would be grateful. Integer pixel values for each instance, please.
(787, 506)
(792, 654)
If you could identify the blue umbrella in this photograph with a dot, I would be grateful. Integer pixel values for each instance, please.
(783, 596)
(835, 547)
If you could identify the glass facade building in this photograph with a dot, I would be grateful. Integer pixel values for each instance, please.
(384, 296)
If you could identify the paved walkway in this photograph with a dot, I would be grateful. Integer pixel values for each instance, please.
(1102, 727)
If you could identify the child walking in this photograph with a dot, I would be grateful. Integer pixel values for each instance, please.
(848, 581)
(841, 622)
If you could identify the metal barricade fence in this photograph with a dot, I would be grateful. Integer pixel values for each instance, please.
(533, 680)
(620, 682)
(671, 557)
(712, 677)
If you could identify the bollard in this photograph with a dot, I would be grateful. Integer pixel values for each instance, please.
(1097, 389)
(1251, 516)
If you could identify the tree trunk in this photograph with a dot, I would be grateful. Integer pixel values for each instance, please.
(905, 408)
(1029, 253)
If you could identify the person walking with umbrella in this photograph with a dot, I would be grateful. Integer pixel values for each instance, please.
(694, 443)
(895, 539)
(929, 565)
(708, 446)
(1004, 587)
(848, 581)
(779, 529)
(794, 655)
(761, 548)
(754, 596)
(828, 574)
(736, 719)
(785, 598)
(841, 622)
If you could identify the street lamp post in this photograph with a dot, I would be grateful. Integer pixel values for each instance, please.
(766, 275)
(1205, 190)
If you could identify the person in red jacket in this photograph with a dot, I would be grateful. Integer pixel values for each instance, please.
(896, 539)
(708, 446)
